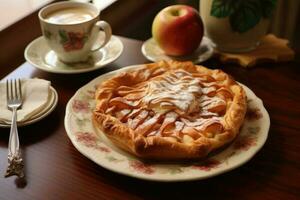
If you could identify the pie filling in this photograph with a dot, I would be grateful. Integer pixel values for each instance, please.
(177, 104)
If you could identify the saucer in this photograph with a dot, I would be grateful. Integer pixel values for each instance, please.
(42, 57)
(153, 52)
(49, 107)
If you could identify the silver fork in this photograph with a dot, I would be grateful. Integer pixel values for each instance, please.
(14, 102)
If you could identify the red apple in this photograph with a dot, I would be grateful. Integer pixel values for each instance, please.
(178, 30)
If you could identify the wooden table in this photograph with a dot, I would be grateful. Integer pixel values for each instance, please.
(56, 170)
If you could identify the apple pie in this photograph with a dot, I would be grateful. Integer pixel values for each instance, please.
(170, 110)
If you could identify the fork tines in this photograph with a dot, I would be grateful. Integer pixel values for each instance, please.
(13, 89)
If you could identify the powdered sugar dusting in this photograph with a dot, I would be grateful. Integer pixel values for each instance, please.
(178, 88)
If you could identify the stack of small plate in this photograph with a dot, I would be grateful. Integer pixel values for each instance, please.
(48, 108)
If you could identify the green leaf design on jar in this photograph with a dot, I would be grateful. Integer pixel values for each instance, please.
(243, 14)
(222, 8)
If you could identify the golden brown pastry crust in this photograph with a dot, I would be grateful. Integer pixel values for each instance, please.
(189, 142)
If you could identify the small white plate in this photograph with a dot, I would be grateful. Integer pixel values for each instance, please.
(85, 138)
(43, 113)
(153, 52)
(42, 57)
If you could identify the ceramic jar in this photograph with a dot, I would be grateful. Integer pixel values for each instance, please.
(236, 25)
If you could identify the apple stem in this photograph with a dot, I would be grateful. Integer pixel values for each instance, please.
(175, 12)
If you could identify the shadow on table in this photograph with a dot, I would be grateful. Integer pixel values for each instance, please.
(33, 133)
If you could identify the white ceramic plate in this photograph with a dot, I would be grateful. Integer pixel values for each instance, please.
(79, 127)
(153, 52)
(42, 57)
(43, 113)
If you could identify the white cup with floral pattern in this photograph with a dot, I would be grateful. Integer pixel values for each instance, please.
(72, 29)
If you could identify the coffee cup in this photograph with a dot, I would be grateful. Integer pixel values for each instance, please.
(72, 29)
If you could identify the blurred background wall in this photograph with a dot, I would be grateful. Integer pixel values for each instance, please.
(286, 20)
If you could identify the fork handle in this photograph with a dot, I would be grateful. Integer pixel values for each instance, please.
(13, 144)
(15, 161)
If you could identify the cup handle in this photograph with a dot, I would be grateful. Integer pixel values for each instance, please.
(102, 25)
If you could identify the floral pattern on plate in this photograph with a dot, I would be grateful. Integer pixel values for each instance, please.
(94, 145)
